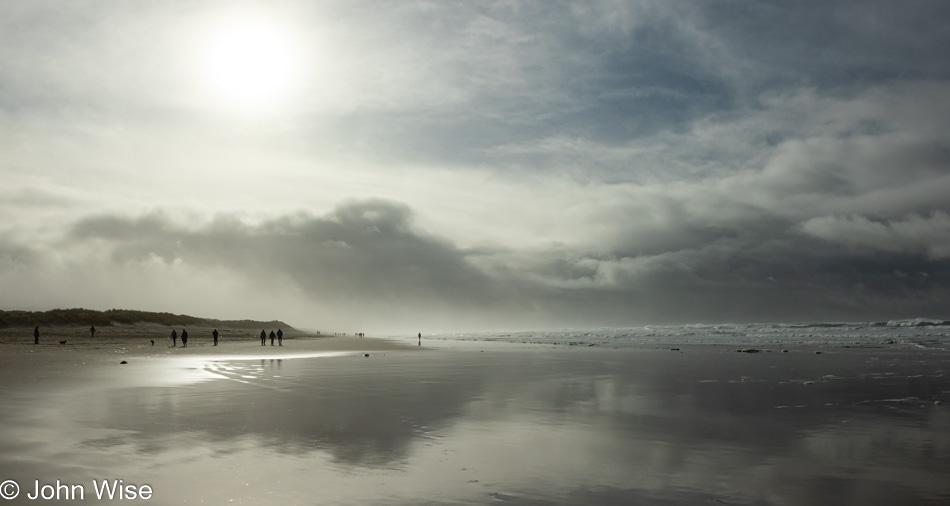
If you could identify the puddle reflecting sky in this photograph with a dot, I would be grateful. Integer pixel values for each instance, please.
(523, 426)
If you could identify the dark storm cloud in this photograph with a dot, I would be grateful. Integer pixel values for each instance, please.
(371, 251)
(928, 236)
(784, 278)
(366, 249)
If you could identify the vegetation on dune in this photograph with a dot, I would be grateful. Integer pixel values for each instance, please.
(80, 316)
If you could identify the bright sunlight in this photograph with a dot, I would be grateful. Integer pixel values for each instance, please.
(249, 62)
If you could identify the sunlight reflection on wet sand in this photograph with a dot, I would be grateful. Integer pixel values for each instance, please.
(520, 426)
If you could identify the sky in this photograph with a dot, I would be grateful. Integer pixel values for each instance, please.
(453, 166)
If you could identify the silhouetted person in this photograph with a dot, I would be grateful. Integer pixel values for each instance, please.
(420, 338)
(184, 338)
(174, 338)
(92, 331)
(36, 335)
(263, 338)
(280, 338)
(272, 336)
(215, 336)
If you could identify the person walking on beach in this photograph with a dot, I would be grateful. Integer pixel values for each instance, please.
(280, 338)
(92, 331)
(174, 338)
(36, 335)
(215, 336)
(420, 339)
(263, 337)
(184, 338)
(272, 336)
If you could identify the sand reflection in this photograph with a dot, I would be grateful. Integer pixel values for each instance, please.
(549, 427)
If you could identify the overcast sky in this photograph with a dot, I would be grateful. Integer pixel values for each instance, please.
(439, 166)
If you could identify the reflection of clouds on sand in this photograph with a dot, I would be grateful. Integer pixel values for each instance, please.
(40, 437)
(544, 426)
(359, 412)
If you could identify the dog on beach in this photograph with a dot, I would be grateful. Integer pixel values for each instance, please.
(62, 342)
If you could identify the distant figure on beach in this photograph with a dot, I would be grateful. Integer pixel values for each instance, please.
(272, 336)
(215, 336)
(36, 335)
(184, 338)
(174, 338)
(263, 338)
(92, 331)
(420, 338)
(280, 338)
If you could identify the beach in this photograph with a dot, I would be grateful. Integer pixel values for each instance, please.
(343, 420)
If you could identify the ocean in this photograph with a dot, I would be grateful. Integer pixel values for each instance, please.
(921, 333)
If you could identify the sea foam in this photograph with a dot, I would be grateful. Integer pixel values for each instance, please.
(917, 332)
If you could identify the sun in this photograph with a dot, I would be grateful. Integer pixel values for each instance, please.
(249, 62)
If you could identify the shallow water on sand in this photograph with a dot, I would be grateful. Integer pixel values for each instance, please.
(512, 424)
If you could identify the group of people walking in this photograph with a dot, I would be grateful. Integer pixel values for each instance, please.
(184, 338)
(279, 335)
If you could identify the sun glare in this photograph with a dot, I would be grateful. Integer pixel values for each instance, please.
(249, 63)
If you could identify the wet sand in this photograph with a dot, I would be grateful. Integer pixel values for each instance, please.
(21, 361)
(478, 423)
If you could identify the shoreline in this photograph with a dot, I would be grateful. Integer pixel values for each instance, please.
(22, 362)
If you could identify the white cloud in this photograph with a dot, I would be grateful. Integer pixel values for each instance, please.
(557, 153)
